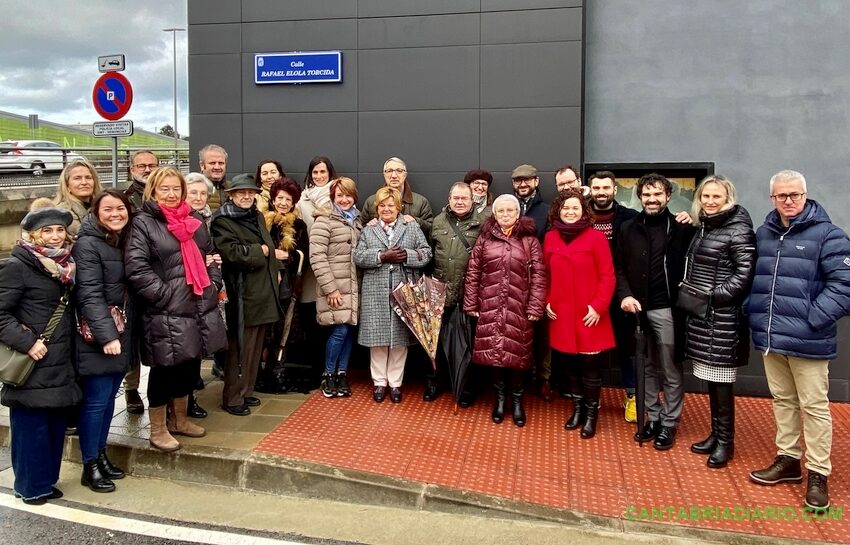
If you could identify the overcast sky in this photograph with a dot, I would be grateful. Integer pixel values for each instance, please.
(49, 50)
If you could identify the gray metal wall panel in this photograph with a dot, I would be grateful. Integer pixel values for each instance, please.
(435, 30)
(420, 78)
(429, 141)
(531, 75)
(222, 129)
(222, 77)
(514, 5)
(290, 10)
(543, 25)
(543, 137)
(283, 36)
(209, 39)
(395, 8)
(295, 138)
(214, 11)
(307, 97)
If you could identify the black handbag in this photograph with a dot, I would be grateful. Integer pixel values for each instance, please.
(694, 300)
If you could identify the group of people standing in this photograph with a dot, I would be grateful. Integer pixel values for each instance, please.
(553, 289)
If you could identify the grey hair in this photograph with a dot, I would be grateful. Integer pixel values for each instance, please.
(505, 197)
(211, 147)
(722, 181)
(785, 176)
(141, 152)
(460, 184)
(197, 177)
(394, 160)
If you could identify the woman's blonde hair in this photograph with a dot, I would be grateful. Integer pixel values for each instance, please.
(64, 193)
(722, 181)
(158, 176)
(385, 193)
(346, 186)
(35, 236)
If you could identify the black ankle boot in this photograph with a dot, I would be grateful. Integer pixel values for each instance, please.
(94, 479)
(499, 408)
(589, 429)
(107, 468)
(579, 414)
(194, 410)
(518, 411)
(725, 447)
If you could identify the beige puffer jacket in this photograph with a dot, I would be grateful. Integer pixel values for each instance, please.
(332, 243)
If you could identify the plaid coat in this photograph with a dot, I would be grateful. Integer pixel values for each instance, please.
(379, 325)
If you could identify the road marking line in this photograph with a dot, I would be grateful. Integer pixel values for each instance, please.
(139, 527)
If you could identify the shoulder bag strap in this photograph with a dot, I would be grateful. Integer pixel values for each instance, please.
(460, 236)
(56, 317)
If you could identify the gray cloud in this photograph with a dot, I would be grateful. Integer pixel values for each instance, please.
(49, 56)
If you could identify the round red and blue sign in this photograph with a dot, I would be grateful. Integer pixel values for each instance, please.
(112, 96)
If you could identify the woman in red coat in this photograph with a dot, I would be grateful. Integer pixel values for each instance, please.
(506, 289)
(581, 284)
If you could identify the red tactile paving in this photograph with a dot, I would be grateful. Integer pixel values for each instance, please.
(544, 464)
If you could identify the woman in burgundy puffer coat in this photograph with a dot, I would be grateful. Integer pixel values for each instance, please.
(506, 290)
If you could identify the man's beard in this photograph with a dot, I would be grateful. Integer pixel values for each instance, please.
(137, 178)
(655, 212)
(608, 202)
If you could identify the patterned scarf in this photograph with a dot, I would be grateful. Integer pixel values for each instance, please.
(56, 261)
(389, 228)
(183, 226)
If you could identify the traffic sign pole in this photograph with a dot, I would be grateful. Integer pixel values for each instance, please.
(114, 161)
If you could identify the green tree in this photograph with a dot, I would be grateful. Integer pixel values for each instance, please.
(167, 130)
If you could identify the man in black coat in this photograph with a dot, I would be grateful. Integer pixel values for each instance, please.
(610, 216)
(142, 163)
(525, 181)
(649, 260)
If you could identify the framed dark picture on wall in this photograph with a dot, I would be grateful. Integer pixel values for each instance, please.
(685, 177)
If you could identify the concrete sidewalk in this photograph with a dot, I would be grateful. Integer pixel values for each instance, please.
(423, 457)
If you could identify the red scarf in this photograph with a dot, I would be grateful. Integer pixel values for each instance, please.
(183, 227)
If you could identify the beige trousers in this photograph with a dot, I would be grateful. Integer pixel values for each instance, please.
(388, 365)
(799, 387)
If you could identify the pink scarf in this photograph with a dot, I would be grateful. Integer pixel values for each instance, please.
(183, 227)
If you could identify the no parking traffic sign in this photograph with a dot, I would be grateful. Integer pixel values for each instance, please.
(112, 96)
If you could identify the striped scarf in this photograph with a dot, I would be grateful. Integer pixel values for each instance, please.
(56, 261)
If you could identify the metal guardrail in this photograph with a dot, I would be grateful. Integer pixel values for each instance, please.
(101, 159)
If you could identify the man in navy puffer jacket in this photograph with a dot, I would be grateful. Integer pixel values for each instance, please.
(801, 289)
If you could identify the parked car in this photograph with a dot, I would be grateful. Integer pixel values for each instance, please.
(35, 156)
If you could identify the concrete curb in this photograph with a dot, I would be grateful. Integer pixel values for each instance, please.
(257, 472)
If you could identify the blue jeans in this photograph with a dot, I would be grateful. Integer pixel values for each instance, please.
(38, 436)
(338, 351)
(96, 412)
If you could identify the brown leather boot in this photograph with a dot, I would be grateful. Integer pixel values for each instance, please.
(182, 424)
(160, 438)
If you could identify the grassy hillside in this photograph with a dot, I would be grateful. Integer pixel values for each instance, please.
(15, 127)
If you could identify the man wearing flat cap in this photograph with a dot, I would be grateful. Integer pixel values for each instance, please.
(525, 182)
(250, 271)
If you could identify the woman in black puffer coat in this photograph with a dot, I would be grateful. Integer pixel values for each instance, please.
(33, 283)
(168, 264)
(721, 260)
(102, 363)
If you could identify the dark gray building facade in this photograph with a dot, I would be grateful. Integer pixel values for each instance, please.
(447, 85)
(451, 85)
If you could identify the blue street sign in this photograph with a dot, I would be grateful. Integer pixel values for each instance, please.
(310, 67)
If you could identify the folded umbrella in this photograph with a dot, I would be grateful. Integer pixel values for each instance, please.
(457, 338)
(641, 354)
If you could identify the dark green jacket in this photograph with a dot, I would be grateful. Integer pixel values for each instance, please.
(413, 204)
(250, 277)
(450, 255)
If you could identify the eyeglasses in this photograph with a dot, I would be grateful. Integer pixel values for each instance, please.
(396, 170)
(519, 181)
(479, 182)
(143, 166)
(782, 197)
(459, 199)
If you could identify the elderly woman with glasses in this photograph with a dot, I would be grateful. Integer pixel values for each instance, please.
(414, 207)
(506, 290)
(387, 247)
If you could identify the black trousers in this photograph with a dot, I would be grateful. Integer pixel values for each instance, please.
(582, 371)
(171, 382)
